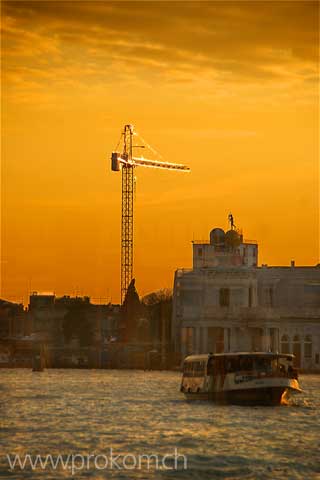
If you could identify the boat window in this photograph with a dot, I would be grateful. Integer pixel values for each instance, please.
(194, 369)
(210, 367)
(263, 364)
(283, 364)
(198, 368)
(246, 363)
(219, 366)
(231, 365)
(274, 365)
(187, 369)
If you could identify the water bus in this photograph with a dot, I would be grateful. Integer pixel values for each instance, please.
(244, 378)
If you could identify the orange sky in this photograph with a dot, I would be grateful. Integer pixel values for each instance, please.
(231, 89)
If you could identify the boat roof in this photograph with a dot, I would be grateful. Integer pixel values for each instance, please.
(205, 356)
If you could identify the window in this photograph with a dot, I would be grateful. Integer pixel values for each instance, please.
(312, 295)
(296, 350)
(285, 345)
(268, 296)
(191, 298)
(200, 252)
(271, 296)
(308, 346)
(224, 297)
(317, 358)
(250, 297)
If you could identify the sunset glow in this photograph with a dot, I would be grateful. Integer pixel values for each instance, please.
(229, 89)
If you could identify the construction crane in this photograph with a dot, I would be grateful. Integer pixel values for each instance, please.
(126, 161)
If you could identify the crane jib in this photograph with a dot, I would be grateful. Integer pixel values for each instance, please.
(118, 159)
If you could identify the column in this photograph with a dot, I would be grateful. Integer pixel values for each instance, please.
(226, 339)
(200, 340)
(266, 339)
(197, 340)
(302, 352)
(183, 342)
(233, 339)
(204, 340)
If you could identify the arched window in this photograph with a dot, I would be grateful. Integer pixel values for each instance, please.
(308, 346)
(296, 350)
(285, 344)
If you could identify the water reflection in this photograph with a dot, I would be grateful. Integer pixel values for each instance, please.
(90, 411)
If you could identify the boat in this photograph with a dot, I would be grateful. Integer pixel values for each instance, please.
(241, 378)
(37, 363)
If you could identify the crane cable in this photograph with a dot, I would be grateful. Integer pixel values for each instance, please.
(118, 142)
(149, 146)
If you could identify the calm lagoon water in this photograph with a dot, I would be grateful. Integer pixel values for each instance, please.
(88, 412)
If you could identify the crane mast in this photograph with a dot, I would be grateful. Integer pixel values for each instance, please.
(127, 212)
(126, 162)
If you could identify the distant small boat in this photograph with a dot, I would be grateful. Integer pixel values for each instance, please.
(242, 378)
(37, 363)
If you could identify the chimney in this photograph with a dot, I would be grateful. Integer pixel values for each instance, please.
(292, 263)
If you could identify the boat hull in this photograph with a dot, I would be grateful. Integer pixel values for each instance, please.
(251, 396)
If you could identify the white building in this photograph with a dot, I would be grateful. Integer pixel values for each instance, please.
(227, 303)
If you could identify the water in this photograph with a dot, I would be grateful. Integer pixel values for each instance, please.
(90, 411)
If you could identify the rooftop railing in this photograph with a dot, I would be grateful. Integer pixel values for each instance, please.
(207, 242)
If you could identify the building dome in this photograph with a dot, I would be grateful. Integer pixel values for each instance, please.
(217, 237)
(232, 239)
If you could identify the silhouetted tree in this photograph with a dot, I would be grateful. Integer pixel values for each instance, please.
(161, 296)
(159, 307)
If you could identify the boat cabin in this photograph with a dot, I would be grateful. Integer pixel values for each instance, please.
(260, 363)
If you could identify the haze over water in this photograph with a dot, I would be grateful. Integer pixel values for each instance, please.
(90, 411)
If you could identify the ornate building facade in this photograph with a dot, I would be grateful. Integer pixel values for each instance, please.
(226, 303)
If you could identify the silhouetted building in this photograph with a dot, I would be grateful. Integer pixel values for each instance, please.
(14, 321)
(15, 327)
(46, 318)
(59, 318)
